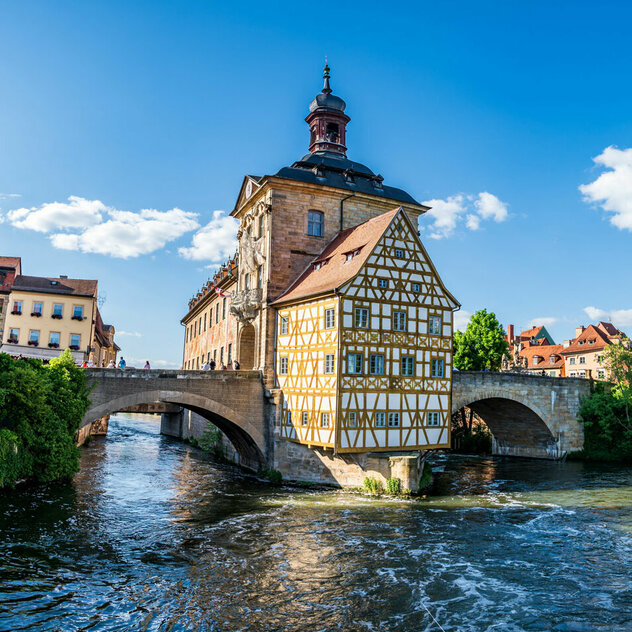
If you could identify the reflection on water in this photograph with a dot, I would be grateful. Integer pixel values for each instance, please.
(151, 535)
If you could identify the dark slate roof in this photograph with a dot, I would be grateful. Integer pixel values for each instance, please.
(332, 170)
(76, 287)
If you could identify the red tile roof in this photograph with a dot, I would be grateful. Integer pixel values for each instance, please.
(583, 344)
(52, 285)
(336, 270)
(531, 333)
(544, 352)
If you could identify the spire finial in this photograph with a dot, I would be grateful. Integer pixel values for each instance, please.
(326, 88)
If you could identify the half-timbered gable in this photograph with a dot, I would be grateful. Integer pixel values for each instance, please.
(382, 373)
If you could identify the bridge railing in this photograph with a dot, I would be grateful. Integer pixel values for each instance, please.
(169, 373)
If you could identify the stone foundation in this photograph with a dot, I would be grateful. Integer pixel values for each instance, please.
(193, 426)
(98, 427)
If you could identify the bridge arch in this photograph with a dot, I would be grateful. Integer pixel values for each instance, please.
(246, 437)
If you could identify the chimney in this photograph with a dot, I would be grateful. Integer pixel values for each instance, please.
(567, 343)
(579, 331)
(510, 333)
(63, 276)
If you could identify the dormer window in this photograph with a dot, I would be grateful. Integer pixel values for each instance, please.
(54, 282)
(319, 264)
(351, 254)
(552, 359)
(591, 342)
(536, 360)
(581, 342)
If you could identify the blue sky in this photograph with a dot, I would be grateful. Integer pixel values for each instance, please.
(140, 119)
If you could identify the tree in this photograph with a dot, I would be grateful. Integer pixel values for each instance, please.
(482, 345)
(618, 362)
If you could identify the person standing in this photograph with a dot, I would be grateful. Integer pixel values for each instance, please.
(147, 366)
(122, 364)
(206, 366)
(212, 365)
(236, 365)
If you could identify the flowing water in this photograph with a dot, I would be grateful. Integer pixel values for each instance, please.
(153, 535)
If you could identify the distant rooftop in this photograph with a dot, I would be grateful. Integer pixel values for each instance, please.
(75, 287)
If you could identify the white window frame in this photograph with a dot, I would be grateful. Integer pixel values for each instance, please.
(78, 308)
(17, 333)
(79, 337)
(582, 359)
(50, 337)
(407, 369)
(324, 420)
(330, 318)
(393, 420)
(41, 307)
(284, 365)
(433, 418)
(315, 223)
(571, 360)
(380, 420)
(329, 364)
(284, 325)
(304, 418)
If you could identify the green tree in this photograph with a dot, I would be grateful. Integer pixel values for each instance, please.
(618, 362)
(482, 345)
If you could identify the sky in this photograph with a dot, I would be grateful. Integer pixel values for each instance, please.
(127, 127)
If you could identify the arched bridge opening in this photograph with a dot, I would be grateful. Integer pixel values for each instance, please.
(233, 403)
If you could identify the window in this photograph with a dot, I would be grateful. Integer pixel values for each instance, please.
(283, 365)
(434, 325)
(261, 221)
(75, 341)
(53, 339)
(408, 366)
(200, 325)
(571, 361)
(329, 363)
(14, 335)
(205, 321)
(354, 363)
(399, 321)
(601, 373)
(399, 253)
(285, 325)
(582, 360)
(324, 420)
(17, 307)
(77, 312)
(37, 309)
(380, 420)
(230, 352)
(304, 417)
(361, 320)
(352, 422)
(246, 281)
(573, 374)
(333, 133)
(436, 367)
(416, 288)
(217, 313)
(383, 283)
(223, 308)
(260, 276)
(315, 223)
(58, 310)
(591, 342)
(330, 318)
(599, 358)
(221, 355)
(393, 420)
(581, 374)
(34, 336)
(552, 359)
(289, 417)
(536, 360)
(432, 419)
(376, 364)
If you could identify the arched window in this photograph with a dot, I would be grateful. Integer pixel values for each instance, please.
(333, 134)
(315, 223)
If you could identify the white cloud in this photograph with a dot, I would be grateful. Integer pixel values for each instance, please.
(612, 190)
(77, 213)
(5, 196)
(619, 317)
(547, 321)
(135, 334)
(214, 242)
(461, 319)
(447, 214)
(92, 227)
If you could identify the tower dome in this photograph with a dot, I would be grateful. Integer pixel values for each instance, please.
(327, 121)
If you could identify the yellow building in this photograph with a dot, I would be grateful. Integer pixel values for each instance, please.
(364, 351)
(48, 315)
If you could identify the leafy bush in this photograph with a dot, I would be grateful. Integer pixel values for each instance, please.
(393, 485)
(373, 486)
(211, 441)
(479, 441)
(14, 461)
(42, 405)
(426, 478)
(274, 476)
(607, 434)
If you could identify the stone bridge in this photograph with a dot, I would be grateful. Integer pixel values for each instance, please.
(529, 415)
(235, 401)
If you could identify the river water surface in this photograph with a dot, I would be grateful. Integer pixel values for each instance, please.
(153, 535)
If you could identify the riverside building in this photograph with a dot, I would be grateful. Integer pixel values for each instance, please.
(334, 298)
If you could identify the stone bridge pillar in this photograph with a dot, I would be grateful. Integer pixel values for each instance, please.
(171, 424)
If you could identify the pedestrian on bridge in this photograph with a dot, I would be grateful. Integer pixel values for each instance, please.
(147, 366)
(206, 366)
(212, 365)
(122, 363)
(236, 365)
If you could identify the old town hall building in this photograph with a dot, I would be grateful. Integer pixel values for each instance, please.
(334, 298)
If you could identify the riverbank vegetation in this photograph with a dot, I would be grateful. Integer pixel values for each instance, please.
(607, 413)
(41, 407)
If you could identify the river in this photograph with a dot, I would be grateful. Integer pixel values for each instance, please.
(152, 535)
